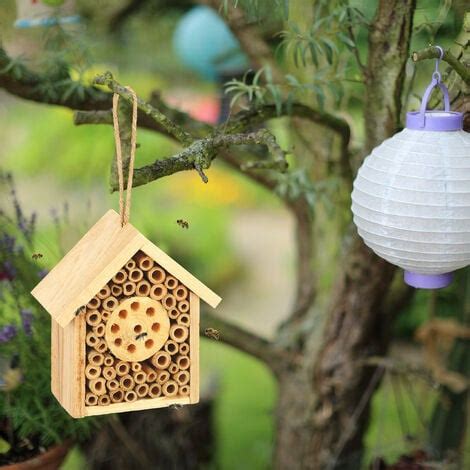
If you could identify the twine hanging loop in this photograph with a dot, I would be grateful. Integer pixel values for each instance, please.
(125, 206)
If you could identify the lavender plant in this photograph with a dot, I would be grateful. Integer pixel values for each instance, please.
(30, 417)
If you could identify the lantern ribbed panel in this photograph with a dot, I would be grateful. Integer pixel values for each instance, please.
(411, 200)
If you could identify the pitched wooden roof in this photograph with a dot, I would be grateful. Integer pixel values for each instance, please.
(95, 259)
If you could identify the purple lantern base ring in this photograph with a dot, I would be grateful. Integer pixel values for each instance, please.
(428, 281)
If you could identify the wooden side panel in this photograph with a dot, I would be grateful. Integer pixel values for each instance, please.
(194, 306)
(150, 403)
(87, 267)
(68, 365)
(184, 276)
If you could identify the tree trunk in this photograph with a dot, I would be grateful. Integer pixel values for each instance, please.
(324, 402)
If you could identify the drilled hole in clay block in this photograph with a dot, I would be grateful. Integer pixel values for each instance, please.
(123, 314)
(156, 327)
(114, 328)
(118, 342)
(131, 348)
(150, 311)
(135, 305)
(149, 343)
(137, 329)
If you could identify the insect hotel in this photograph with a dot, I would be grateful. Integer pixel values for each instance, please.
(125, 324)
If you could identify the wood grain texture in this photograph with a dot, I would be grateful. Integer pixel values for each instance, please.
(194, 347)
(95, 259)
(87, 267)
(144, 404)
(68, 365)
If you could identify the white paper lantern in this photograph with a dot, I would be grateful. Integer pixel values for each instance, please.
(411, 197)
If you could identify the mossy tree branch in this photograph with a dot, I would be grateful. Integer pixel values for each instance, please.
(432, 52)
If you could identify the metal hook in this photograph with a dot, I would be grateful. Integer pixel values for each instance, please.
(436, 75)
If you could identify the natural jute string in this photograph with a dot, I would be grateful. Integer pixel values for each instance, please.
(125, 209)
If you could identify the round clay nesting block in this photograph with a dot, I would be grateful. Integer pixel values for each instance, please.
(137, 329)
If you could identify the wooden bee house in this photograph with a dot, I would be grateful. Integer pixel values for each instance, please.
(125, 324)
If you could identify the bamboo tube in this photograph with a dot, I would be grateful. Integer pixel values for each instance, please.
(91, 399)
(112, 385)
(158, 291)
(97, 386)
(170, 388)
(144, 262)
(180, 293)
(136, 366)
(161, 360)
(120, 277)
(182, 377)
(110, 303)
(109, 373)
(99, 330)
(163, 376)
(105, 315)
(94, 303)
(140, 377)
(122, 368)
(130, 265)
(183, 390)
(142, 390)
(171, 282)
(179, 333)
(128, 288)
(184, 320)
(155, 390)
(91, 339)
(117, 396)
(104, 292)
(130, 396)
(173, 368)
(150, 372)
(183, 362)
(183, 306)
(156, 275)
(173, 313)
(171, 347)
(101, 346)
(104, 400)
(95, 358)
(169, 301)
(93, 318)
(92, 371)
(184, 349)
(143, 289)
(127, 382)
(116, 290)
(135, 275)
(108, 360)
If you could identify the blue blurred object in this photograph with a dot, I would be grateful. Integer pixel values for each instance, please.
(24, 23)
(206, 45)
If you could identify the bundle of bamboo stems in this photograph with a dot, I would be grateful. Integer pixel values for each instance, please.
(166, 373)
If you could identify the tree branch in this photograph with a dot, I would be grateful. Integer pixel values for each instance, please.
(172, 128)
(245, 341)
(199, 156)
(434, 53)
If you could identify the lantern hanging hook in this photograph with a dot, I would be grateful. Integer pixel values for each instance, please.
(436, 75)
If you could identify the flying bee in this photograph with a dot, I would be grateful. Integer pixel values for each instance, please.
(182, 223)
(80, 310)
(212, 333)
(36, 256)
(140, 336)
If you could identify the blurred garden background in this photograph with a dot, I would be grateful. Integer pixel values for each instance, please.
(240, 239)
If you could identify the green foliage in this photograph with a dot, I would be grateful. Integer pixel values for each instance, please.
(26, 401)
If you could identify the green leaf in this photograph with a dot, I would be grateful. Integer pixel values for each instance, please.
(4, 446)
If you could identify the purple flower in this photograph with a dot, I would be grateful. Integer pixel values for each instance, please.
(27, 321)
(8, 272)
(42, 273)
(7, 333)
